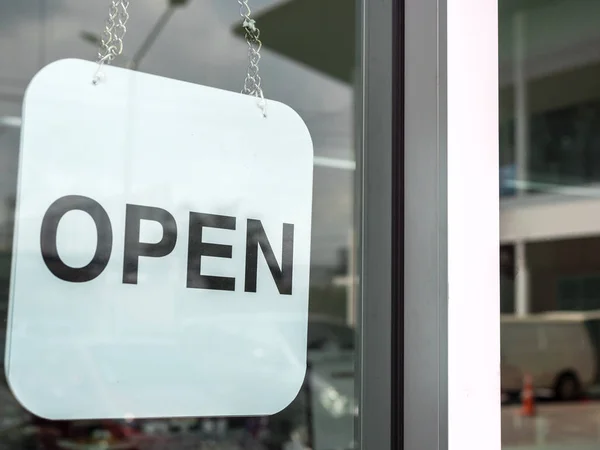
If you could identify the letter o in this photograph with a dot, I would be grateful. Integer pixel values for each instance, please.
(48, 244)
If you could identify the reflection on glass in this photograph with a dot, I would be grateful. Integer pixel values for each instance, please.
(199, 42)
(550, 224)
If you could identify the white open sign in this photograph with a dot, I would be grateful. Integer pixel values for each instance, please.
(162, 249)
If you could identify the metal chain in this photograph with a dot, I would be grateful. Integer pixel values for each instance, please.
(116, 27)
(252, 83)
(114, 32)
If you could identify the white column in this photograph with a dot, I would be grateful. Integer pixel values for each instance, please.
(349, 281)
(352, 280)
(521, 153)
(522, 303)
(472, 268)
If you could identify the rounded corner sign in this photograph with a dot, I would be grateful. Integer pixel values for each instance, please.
(162, 249)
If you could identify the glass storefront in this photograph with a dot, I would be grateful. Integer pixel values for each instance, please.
(549, 173)
(550, 170)
(199, 42)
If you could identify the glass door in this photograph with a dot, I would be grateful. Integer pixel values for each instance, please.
(202, 41)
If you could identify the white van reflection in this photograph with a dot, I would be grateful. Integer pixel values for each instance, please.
(559, 350)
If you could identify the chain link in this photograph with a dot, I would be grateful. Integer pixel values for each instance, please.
(115, 28)
(114, 31)
(252, 83)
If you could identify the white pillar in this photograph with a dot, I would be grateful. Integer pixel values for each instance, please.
(522, 303)
(351, 287)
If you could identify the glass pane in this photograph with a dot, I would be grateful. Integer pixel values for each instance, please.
(550, 156)
(200, 41)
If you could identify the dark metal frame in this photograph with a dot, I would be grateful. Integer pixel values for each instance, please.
(380, 169)
(397, 382)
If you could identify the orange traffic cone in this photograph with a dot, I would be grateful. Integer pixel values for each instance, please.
(527, 397)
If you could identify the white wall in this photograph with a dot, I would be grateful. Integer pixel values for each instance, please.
(550, 217)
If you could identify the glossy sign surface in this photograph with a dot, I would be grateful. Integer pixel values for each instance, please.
(162, 249)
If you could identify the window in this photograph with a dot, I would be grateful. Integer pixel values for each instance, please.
(550, 108)
(202, 42)
(579, 293)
